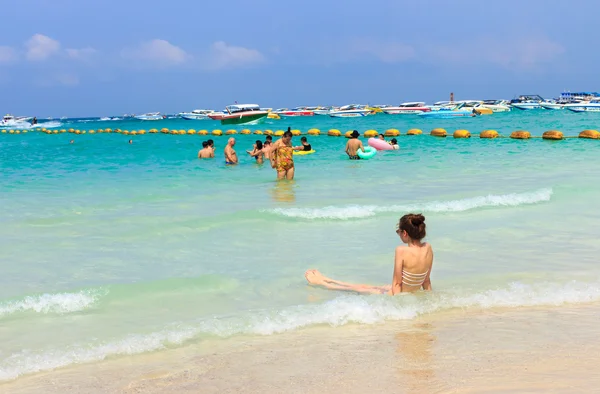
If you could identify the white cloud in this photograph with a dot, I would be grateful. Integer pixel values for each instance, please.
(525, 53)
(53, 80)
(83, 54)
(223, 56)
(40, 47)
(7, 55)
(157, 53)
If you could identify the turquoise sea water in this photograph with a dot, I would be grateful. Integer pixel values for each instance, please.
(109, 248)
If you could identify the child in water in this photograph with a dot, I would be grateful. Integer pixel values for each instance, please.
(394, 143)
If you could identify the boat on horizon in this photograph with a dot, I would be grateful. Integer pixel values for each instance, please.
(350, 111)
(197, 114)
(527, 101)
(240, 114)
(15, 121)
(298, 111)
(150, 116)
(410, 108)
(585, 106)
(449, 111)
(496, 105)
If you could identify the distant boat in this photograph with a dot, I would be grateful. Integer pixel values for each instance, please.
(240, 114)
(350, 111)
(150, 116)
(197, 114)
(496, 105)
(591, 106)
(415, 107)
(14, 121)
(298, 111)
(448, 112)
(527, 101)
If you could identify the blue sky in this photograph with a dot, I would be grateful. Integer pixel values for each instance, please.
(99, 58)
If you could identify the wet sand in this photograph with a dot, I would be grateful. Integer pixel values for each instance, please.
(499, 351)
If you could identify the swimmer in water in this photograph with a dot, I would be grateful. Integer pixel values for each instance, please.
(267, 149)
(306, 147)
(381, 137)
(257, 152)
(131, 141)
(211, 145)
(353, 145)
(394, 143)
(412, 263)
(206, 152)
(230, 155)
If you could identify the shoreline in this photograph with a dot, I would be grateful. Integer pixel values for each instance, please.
(504, 350)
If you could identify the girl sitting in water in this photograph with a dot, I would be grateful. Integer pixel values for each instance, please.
(257, 152)
(305, 145)
(412, 263)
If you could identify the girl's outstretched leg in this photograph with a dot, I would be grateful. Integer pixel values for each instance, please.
(315, 278)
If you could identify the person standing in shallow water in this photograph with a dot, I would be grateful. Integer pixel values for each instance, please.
(282, 156)
(353, 145)
(412, 263)
(206, 152)
(230, 155)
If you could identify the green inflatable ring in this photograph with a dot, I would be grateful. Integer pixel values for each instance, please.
(367, 154)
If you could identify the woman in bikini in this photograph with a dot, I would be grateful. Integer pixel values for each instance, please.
(282, 156)
(412, 263)
(257, 152)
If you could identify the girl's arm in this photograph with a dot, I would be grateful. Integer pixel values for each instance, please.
(398, 264)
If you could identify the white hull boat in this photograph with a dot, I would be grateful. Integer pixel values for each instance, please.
(150, 116)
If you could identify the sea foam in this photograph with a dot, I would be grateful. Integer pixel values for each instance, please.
(365, 211)
(339, 311)
(52, 303)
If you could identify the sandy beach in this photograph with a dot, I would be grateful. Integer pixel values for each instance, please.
(529, 350)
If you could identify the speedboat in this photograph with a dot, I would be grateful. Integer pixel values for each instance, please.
(240, 114)
(496, 105)
(415, 107)
(324, 110)
(298, 111)
(449, 111)
(15, 121)
(589, 106)
(552, 104)
(150, 116)
(527, 101)
(197, 114)
(350, 111)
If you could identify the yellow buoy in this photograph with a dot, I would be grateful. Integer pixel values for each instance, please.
(100, 131)
(230, 132)
(142, 132)
(24, 131)
(488, 134)
(392, 133)
(71, 130)
(153, 131)
(11, 131)
(77, 132)
(17, 131)
(3, 131)
(118, 131)
(83, 131)
(414, 132)
(279, 133)
(520, 135)
(462, 134)
(245, 131)
(54, 131)
(191, 131)
(269, 132)
(439, 133)
(348, 134)
(552, 135)
(127, 132)
(314, 132)
(258, 132)
(217, 132)
(108, 130)
(202, 132)
(591, 134)
(92, 131)
(273, 116)
(164, 130)
(44, 129)
(296, 132)
(371, 133)
(181, 132)
(334, 133)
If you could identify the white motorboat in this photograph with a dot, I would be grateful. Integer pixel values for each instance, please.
(496, 105)
(350, 111)
(150, 116)
(15, 121)
(415, 107)
(197, 114)
(527, 101)
(552, 104)
(589, 106)
(324, 110)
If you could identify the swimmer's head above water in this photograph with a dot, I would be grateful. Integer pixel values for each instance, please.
(355, 134)
(411, 227)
